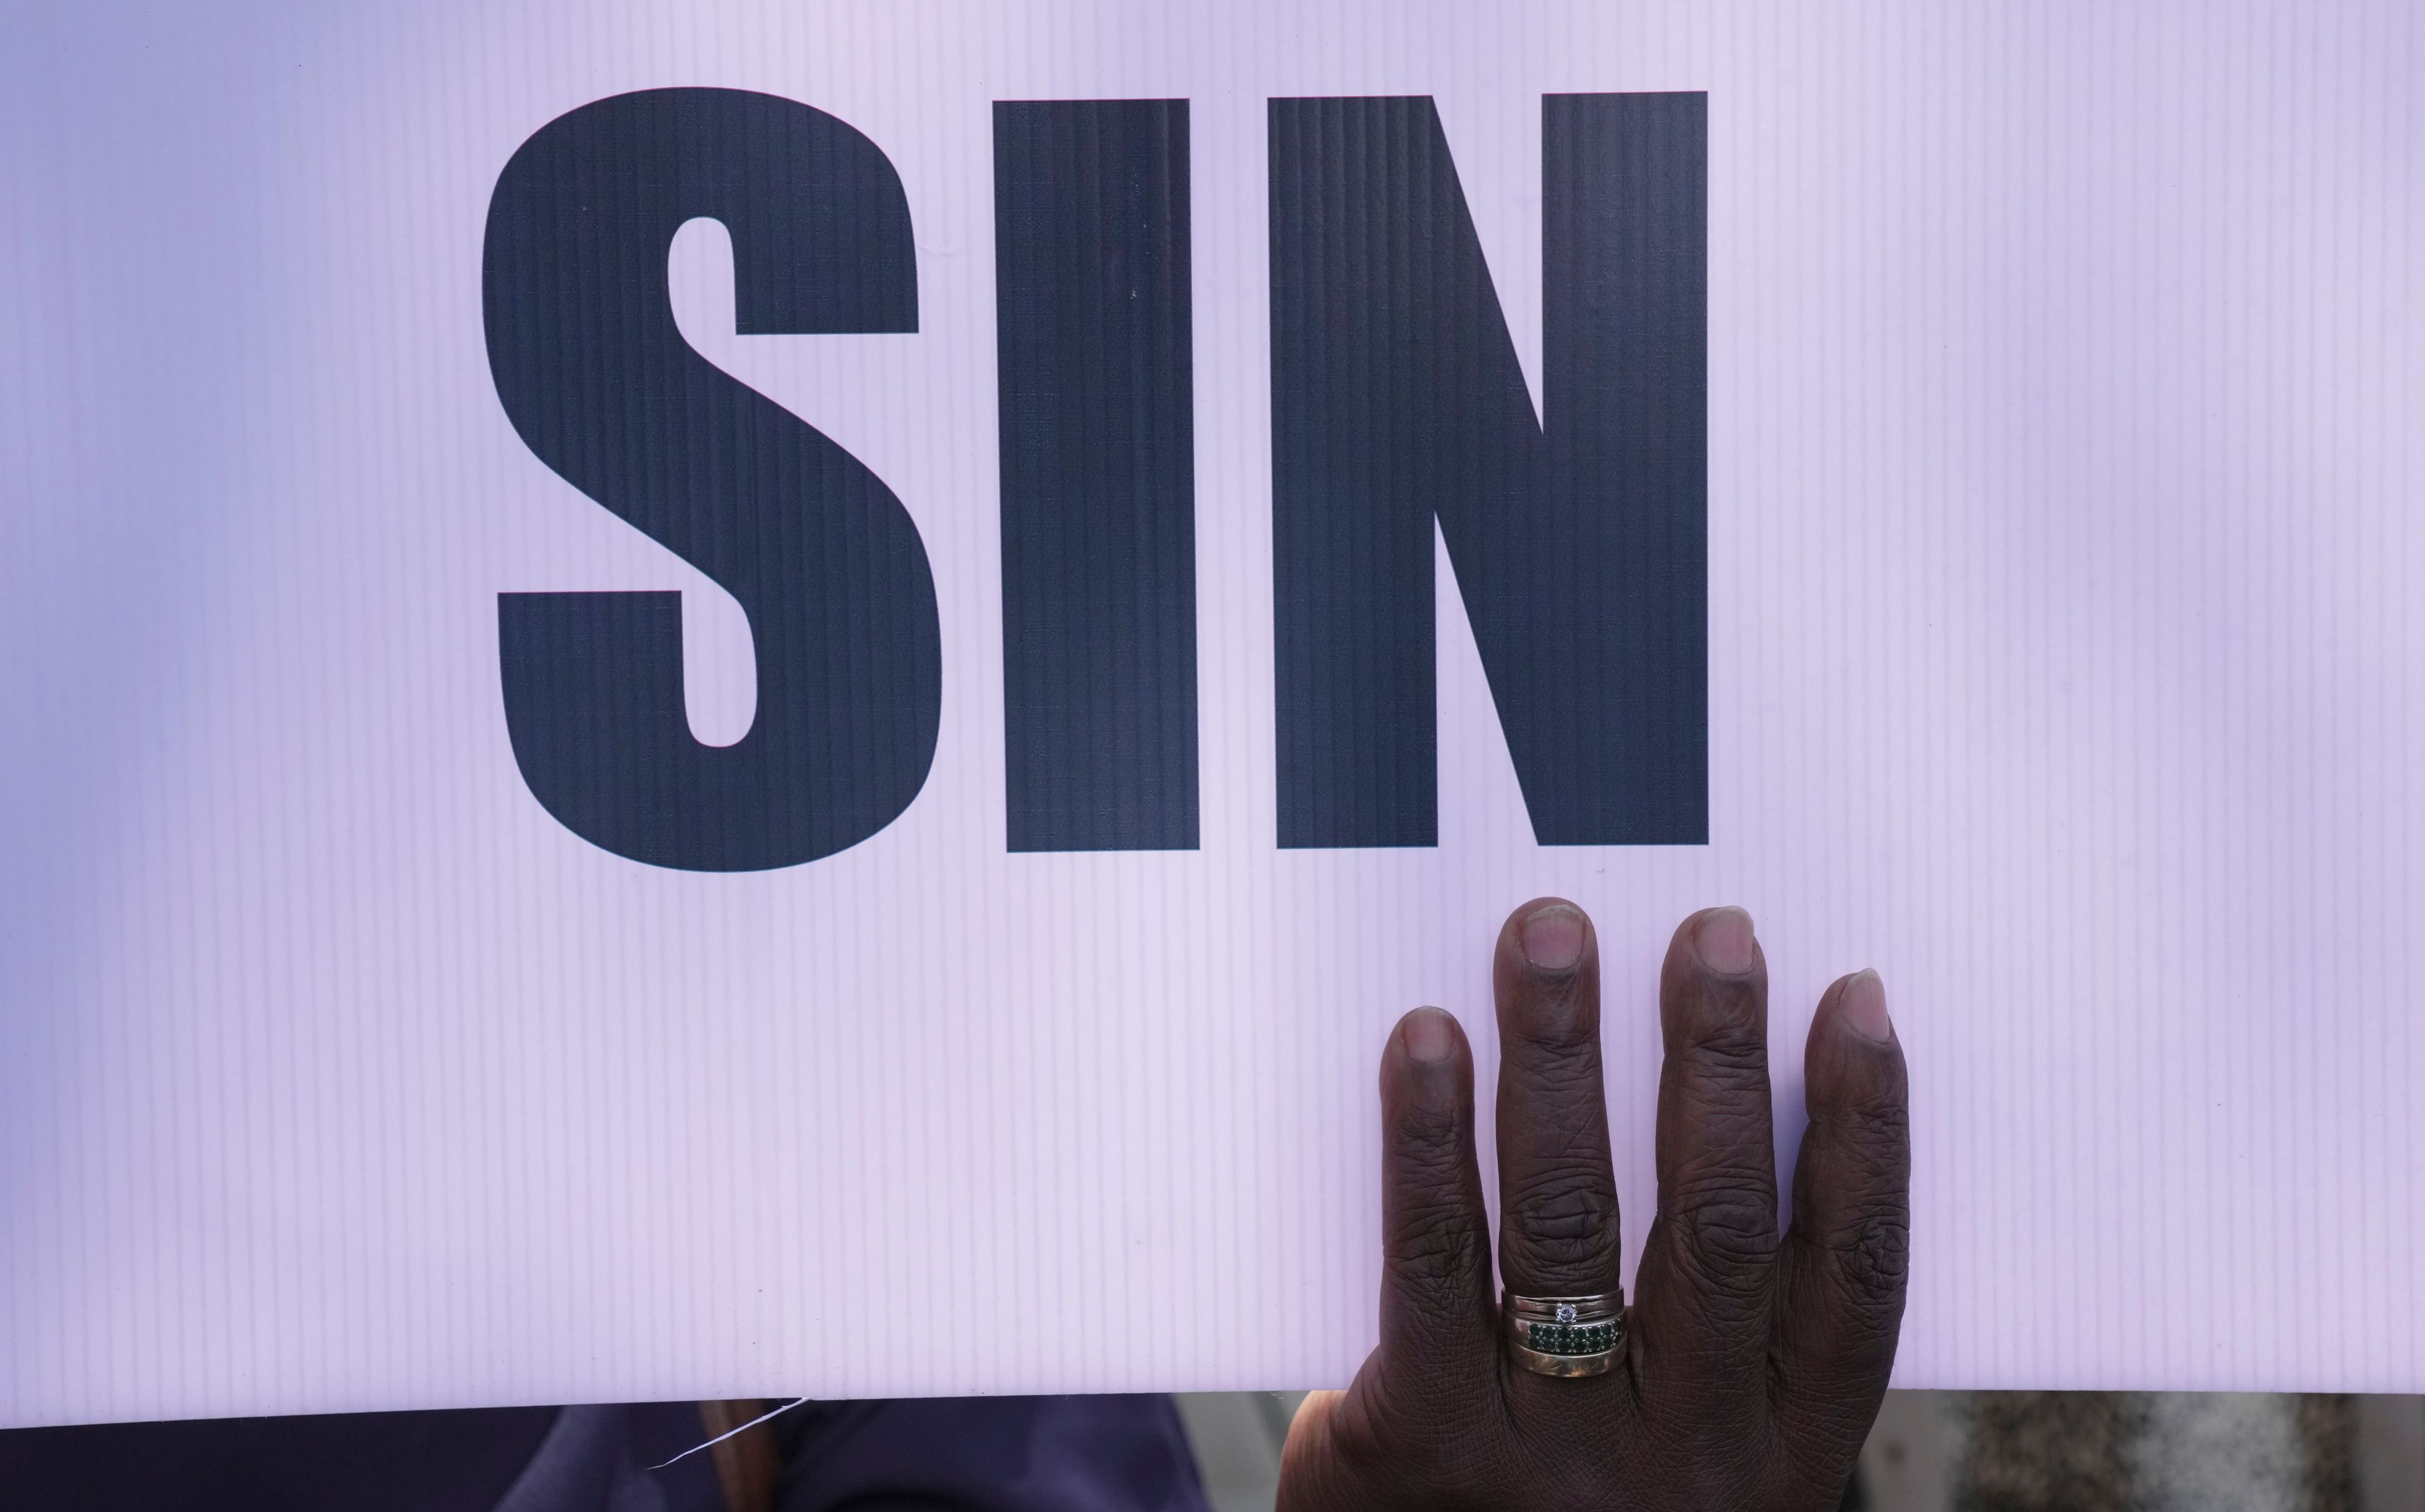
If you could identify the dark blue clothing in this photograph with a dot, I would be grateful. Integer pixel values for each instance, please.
(1000, 1454)
(1010, 1454)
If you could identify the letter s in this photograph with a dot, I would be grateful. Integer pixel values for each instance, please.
(821, 557)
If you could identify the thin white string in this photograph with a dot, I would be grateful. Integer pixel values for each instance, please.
(729, 1432)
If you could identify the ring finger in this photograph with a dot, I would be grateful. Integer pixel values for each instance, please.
(1558, 1234)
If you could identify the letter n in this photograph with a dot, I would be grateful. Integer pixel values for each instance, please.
(1579, 541)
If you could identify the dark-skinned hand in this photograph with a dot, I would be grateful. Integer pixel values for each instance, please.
(1752, 1363)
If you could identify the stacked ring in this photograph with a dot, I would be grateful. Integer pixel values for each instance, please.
(1565, 1335)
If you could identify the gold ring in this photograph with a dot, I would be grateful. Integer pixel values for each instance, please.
(1565, 1335)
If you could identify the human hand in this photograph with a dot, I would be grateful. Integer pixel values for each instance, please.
(1751, 1367)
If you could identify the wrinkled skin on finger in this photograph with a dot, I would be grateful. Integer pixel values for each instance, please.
(1754, 1360)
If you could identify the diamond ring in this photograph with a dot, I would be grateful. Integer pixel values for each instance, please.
(1565, 1335)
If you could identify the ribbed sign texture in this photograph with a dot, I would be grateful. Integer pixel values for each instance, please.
(747, 699)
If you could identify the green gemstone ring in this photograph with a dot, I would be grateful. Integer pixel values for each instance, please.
(1565, 1335)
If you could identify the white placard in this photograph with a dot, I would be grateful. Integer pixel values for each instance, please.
(2065, 367)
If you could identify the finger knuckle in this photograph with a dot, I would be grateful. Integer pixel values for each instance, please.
(1729, 1242)
(1880, 1106)
(1720, 1097)
(1565, 1222)
(1726, 1013)
(1873, 1253)
(1568, 1080)
(1728, 1061)
(1558, 1018)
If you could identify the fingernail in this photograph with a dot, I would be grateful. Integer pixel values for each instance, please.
(1725, 941)
(1553, 938)
(1430, 1036)
(1865, 1007)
